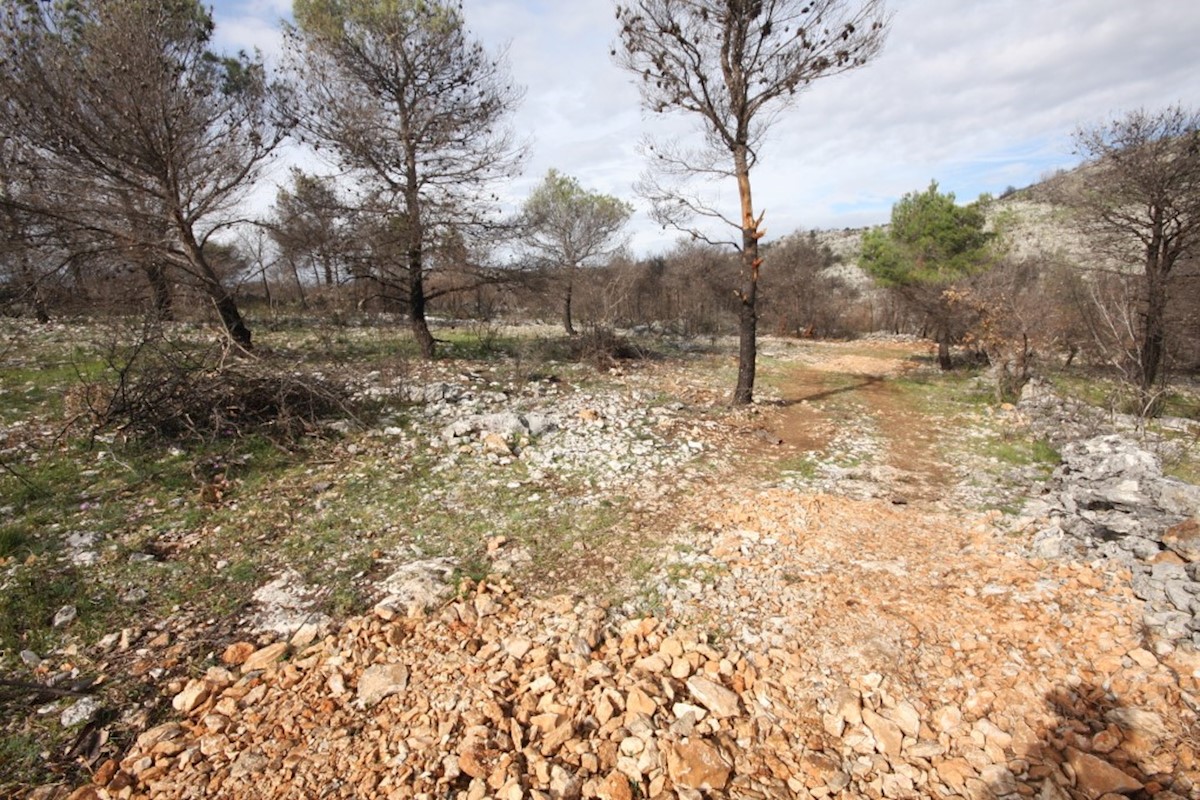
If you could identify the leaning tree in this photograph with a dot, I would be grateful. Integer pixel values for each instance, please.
(1137, 199)
(734, 65)
(140, 139)
(413, 107)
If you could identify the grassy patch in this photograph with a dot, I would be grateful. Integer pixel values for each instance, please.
(1023, 452)
(35, 593)
(945, 392)
(20, 759)
(805, 466)
(1187, 470)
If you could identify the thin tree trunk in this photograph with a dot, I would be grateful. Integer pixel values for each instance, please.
(227, 309)
(231, 317)
(33, 287)
(566, 310)
(943, 342)
(40, 311)
(1154, 334)
(416, 304)
(748, 292)
(267, 291)
(299, 283)
(414, 224)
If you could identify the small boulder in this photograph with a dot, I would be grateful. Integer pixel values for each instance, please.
(716, 698)
(65, 616)
(79, 712)
(1184, 540)
(195, 693)
(380, 681)
(265, 657)
(1097, 777)
(698, 764)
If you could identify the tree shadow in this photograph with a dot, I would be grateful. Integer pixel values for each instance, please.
(867, 382)
(1096, 747)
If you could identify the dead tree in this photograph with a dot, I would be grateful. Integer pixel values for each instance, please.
(734, 64)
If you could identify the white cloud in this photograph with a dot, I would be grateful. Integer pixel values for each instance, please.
(978, 95)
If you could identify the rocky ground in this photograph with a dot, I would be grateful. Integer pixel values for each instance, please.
(836, 608)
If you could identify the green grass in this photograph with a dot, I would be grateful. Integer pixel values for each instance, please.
(1187, 470)
(130, 498)
(945, 392)
(1182, 404)
(21, 760)
(805, 466)
(33, 596)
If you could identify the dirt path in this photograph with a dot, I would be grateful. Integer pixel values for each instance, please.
(804, 645)
(842, 391)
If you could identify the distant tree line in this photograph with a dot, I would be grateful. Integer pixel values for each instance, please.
(127, 145)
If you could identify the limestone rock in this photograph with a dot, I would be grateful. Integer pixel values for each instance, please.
(1097, 778)
(615, 787)
(495, 443)
(1184, 540)
(195, 693)
(417, 585)
(888, 736)
(1147, 724)
(65, 616)
(237, 653)
(265, 657)
(698, 764)
(380, 681)
(721, 702)
(79, 712)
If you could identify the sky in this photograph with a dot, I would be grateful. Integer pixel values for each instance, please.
(978, 95)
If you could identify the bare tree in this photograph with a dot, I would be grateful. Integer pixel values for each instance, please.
(735, 64)
(413, 108)
(1138, 200)
(570, 227)
(312, 228)
(140, 138)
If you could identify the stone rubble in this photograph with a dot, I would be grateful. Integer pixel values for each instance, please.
(839, 652)
(609, 440)
(1110, 500)
(796, 643)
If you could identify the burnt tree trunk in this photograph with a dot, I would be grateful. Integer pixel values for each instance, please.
(943, 342)
(748, 290)
(1154, 328)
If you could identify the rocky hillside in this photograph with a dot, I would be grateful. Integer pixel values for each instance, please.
(1032, 226)
(834, 612)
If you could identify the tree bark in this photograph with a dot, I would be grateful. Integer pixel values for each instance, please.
(416, 304)
(160, 287)
(944, 361)
(748, 292)
(33, 286)
(299, 283)
(227, 309)
(1154, 334)
(231, 318)
(566, 315)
